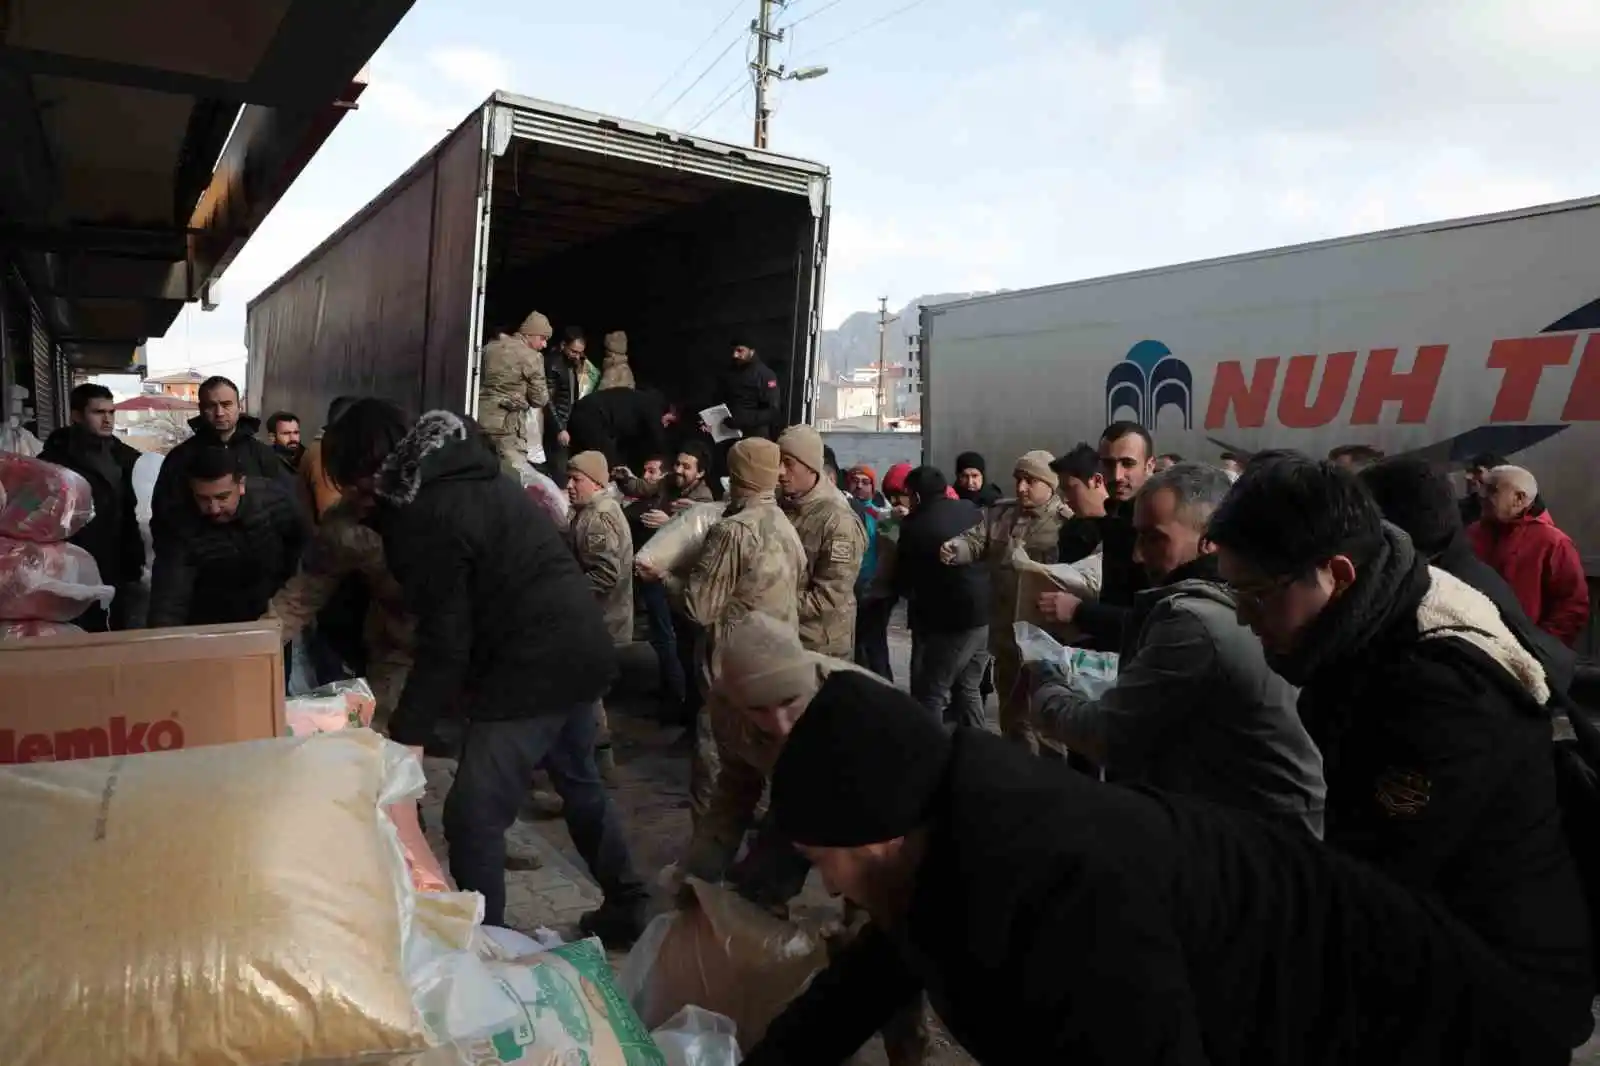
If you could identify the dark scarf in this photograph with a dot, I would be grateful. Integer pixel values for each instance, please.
(1387, 589)
(1200, 568)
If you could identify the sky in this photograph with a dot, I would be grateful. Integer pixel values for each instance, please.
(1028, 144)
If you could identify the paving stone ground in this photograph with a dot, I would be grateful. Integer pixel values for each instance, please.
(651, 791)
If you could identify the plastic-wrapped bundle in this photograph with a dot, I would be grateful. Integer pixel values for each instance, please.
(676, 545)
(42, 502)
(26, 630)
(48, 582)
(546, 493)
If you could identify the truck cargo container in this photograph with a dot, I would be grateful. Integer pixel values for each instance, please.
(687, 244)
(1445, 340)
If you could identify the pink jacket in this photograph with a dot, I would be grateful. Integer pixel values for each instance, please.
(1542, 566)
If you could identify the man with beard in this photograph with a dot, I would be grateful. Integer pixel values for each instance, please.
(1429, 714)
(221, 423)
(1195, 708)
(1127, 458)
(283, 433)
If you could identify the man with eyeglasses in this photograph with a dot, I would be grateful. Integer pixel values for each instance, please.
(1429, 714)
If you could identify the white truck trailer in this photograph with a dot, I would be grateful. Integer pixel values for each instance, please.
(1445, 340)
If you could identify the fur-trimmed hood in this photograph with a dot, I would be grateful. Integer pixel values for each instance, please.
(441, 445)
(1452, 608)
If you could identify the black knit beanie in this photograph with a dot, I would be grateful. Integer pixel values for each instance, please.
(1418, 498)
(970, 461)
(862, 765)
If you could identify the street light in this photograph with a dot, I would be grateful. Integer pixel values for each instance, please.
(804, 74)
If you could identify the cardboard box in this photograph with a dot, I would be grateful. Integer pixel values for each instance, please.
(89, 695)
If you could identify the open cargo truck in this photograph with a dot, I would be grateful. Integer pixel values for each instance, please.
(1445, 340)
(689, 245)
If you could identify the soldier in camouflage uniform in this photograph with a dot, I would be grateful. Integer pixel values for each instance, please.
(511, 382)
(600, 539)
(751, 563)
(767, 681)
(834, 539)
(1031, 524)
(341, 547)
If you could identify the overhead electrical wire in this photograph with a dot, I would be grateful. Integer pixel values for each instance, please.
(699, 78)
(880, 20)
(812, 14)
(697, 50)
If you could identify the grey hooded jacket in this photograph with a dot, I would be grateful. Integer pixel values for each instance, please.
(1195, 709)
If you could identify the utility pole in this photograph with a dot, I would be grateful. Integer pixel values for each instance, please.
(884, 318)
(765, 35)
(764, 73)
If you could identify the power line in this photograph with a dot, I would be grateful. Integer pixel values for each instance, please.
(880, 20)
(812, 15)
(701, 77)
(732, 91)
(697, 50)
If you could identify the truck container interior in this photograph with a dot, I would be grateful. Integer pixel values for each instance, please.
(687, 265)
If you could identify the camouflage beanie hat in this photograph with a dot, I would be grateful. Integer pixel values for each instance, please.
(616, 343)
(535, 325)
(591, 465)
(1036, 465)
(763, 663)
(753, 465)
(804, 445)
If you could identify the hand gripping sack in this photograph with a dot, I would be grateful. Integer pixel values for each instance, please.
(48, 582)
(234, 905)
(43, 502)
(677, 544)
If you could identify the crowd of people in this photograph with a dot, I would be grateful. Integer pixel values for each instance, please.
(1319, 815)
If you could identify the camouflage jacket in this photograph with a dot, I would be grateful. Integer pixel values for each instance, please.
(511, 382)
(340, 547)
(835, 541)
(747, 756)
(1008, 527)
(751, 561)
(604, 547)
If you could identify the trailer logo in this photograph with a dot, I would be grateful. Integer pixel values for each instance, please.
(1149, 379)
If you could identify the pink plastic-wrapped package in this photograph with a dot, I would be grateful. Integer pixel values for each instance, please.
(547, 494)
(42, 501)
(32, 628)
(48, 582)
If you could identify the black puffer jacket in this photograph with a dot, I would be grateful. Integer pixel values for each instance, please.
(624, 424)
(112, 536)
(506, 624)
(942, 599)
(170, 505)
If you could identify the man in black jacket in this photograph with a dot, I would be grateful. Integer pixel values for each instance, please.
(625, 424)
(1052, 918)
(972, 480)
(1429, 713)
(89, 446)
(237, 544)
(750, 389)
(1420, 500)
(1083, 488)
(508, 637)
(1127, 459)
(566, 371)
(947, 606)
(221, 423)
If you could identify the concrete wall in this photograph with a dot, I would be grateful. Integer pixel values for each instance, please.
(878, 450)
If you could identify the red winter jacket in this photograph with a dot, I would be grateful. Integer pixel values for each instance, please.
(1542, 566)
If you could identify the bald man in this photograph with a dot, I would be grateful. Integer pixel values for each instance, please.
(1517, 536)
(766, 682)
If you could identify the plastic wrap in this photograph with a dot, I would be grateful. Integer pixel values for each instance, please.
(723, 954)
(27, 630)
(696, 1037)
(349, 705)
(546, 493)
(43, 502)
(676, 544)
(240, 903)
(48, 582)
(568, 1010)
(1088, 673)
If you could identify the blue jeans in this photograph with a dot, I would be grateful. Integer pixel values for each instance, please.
(658, 613)
(492, 779)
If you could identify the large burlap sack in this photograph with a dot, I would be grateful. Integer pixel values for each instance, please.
(677, 544)
(724, 954)
(569, 1011)
(48, 582)
(234, 905)
(43, 502)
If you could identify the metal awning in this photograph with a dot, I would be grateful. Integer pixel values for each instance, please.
(146, 141)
